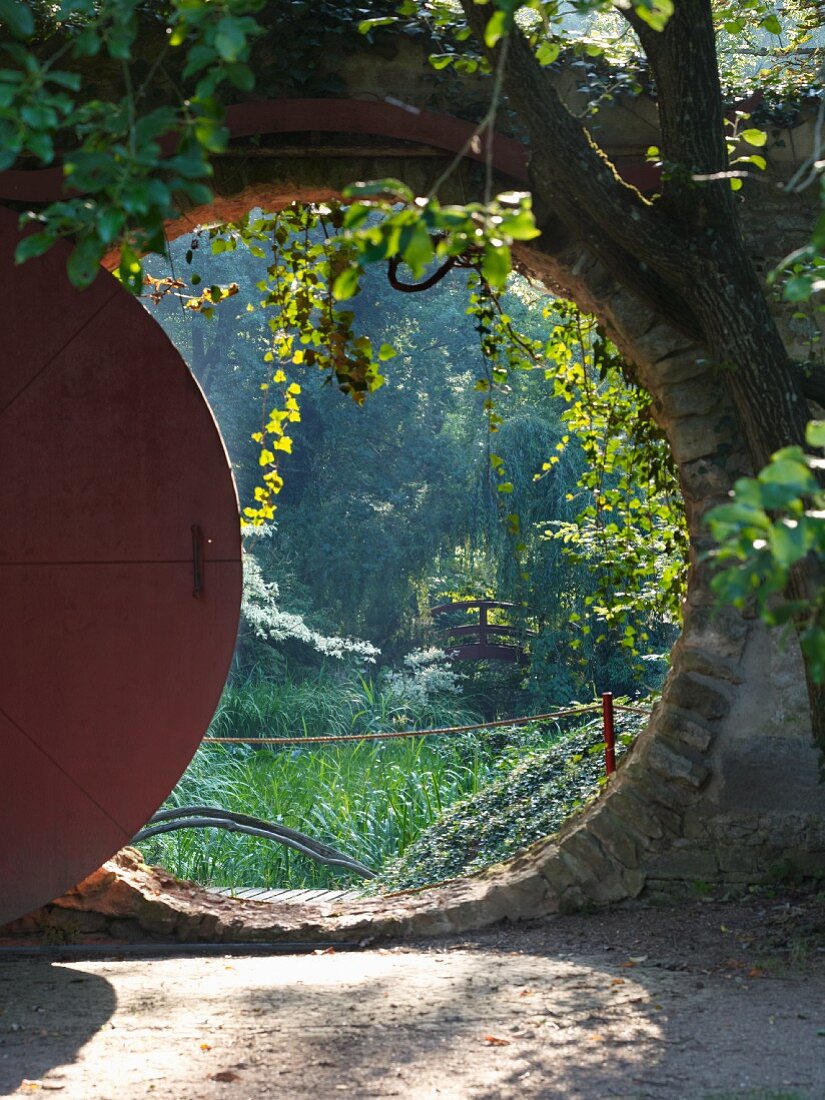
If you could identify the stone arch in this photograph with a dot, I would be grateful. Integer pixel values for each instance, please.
(722, 783)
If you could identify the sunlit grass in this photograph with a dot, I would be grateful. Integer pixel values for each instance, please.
(369, 799)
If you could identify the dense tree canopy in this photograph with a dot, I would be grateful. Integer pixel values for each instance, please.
(394, 506)
(679, 258)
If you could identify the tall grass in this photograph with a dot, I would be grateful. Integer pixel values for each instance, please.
(321, 703)
(371, 799)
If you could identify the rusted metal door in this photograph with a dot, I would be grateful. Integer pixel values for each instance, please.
(120, 572)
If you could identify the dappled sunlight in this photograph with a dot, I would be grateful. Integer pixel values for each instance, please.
(691, 1002)
(387, 1022)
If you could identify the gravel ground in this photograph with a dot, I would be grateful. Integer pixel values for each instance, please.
(705, 1000)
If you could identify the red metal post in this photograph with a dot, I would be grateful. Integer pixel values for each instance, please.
(609, 733)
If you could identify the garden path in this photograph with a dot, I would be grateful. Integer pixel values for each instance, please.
(704, 1000)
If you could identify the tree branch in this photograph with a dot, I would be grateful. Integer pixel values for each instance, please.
(574, 180)
(691, 114)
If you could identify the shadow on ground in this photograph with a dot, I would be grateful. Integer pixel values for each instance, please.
(47, 1014)
(691, 1003)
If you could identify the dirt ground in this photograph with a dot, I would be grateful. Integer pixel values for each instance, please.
(705, 1000)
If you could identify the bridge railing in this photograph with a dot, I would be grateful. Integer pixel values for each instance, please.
(483, 648)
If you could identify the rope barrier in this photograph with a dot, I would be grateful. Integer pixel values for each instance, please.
(444, 731)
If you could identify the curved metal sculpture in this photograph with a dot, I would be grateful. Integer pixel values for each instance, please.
(120, 573)
(212, 817)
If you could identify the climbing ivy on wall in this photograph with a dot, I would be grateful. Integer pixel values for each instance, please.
(632, 527)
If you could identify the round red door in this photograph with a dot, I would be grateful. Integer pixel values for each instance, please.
(120, 572)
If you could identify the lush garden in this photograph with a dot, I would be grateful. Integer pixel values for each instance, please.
(416, 809)
(511, 454)
(427, 492)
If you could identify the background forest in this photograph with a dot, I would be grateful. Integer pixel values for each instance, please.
(389, 508)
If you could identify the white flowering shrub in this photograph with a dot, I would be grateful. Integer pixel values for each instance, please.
(427, 674)
(269, 622)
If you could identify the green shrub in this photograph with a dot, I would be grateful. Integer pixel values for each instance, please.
(529, 801)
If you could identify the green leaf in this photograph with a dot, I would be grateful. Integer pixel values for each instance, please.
(18, 18)
(521, 226)
(37, 116)
(41, 145)
(654, 12)
(87, 43)
(789, 543)
(813, 646)
(736, 515)
(109, 224)
(241, 76)
(130, 271)
(372, 188)
(798, 289)
(754, 137)
(84, 262)
(154, 124)
(815, 433)
(386, 351)
(198, 57)
(230, 39)
(772, 24)
(366, 25)
(34, 245)
(496, 264)
(547, 53)
(119, 43)
(211, 135)
(71, 81)
(416, 248)
(498, 25)
(789, 474)
(347, 283)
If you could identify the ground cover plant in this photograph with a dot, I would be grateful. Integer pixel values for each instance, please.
(530, 798)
